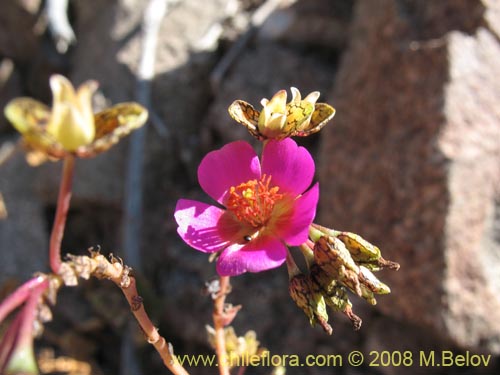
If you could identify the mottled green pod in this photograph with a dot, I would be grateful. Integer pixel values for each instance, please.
(312, 303)
(300, 291)
(368, 295)
(330, 254)
(334, 293)
(361, 250)
(338, 299)
(368, 279)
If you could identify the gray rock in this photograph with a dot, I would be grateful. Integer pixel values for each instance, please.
(23, 236)
(10, 87)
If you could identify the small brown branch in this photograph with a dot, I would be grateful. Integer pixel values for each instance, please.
(99, 266)
(151, 332)
(220, 321)
(61, 213)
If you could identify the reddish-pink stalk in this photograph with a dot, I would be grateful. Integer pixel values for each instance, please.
(7, 344)
(21, 294)
(20, 331)
(63, 200)
(29, 312)
(219, 323)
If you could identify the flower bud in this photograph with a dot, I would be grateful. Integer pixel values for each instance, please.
(334, 258)
(360, 249)
(344, 260)
(371, 285)
(364, 253)
(279, 119)
(313, 304)
(70, 127)
(72, 119)
(272, 119)
(334, 294)
(300, 110)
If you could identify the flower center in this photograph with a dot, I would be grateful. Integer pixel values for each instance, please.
(252, 202)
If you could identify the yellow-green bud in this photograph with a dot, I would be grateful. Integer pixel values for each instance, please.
(334, 258)
(360, 249)
(333, 292)
(368, 279)
(272, 119)
(330, 254)
(72, 119)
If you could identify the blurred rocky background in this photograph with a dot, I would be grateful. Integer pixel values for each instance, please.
(411, 161)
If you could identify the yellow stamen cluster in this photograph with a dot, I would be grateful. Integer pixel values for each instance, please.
(252, 202)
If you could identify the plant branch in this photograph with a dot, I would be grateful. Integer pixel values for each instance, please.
(20, 295)
(16, 343)
(8, 341)
(98, 266)
(29, 312)
(220, 321)
(61, 213)
(153, 337)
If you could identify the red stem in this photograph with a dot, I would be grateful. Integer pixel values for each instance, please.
(61, 213)
(7, 344)
(20, 331)
(29, 313)
(20, 295)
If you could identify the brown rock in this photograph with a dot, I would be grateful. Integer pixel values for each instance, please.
(411, 161)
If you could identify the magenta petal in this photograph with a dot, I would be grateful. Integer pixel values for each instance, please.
(231, 165)
(291, 166)
(198, 225)
(258, 255)
(297, 229)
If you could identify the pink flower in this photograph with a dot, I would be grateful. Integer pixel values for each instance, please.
(265, 204)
